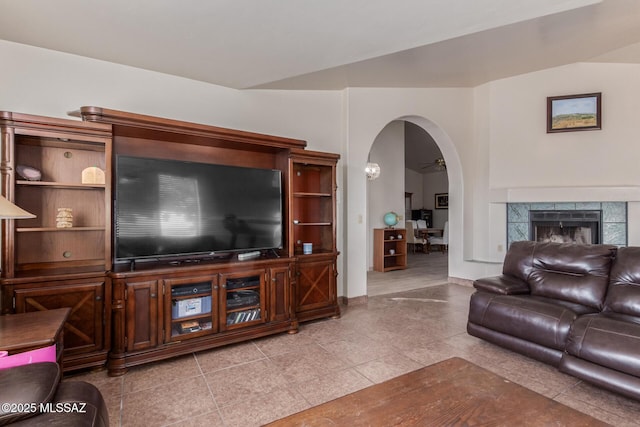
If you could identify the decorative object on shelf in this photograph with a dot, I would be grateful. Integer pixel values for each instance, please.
(10, 211)
(93, 175)
(391, 219)
(574, 112)
(400, 236)
(372, 170)
(307, 248)
(190, 326)
(442, 200)
(64, 219)
(392, 251)
(29, 173)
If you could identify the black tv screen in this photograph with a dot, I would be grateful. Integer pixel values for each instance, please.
(167, 208)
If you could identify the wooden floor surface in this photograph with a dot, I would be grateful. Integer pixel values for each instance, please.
(453, 392)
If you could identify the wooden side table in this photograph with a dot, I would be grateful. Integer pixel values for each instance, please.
(29, 331)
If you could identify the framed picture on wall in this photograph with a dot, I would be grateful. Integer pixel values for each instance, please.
(574, 112)
(442, 200)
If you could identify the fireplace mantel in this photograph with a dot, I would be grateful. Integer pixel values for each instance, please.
(630, 193)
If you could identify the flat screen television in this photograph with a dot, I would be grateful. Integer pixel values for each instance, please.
(173, 208)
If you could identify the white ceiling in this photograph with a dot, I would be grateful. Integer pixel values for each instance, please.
(331, 44)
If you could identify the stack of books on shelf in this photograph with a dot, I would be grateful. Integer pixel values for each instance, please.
(243, 316)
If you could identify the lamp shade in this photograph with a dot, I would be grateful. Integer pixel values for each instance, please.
(10, 211)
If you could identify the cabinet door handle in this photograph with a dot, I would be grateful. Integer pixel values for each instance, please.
(98, 298)
(153, 295)
(215, 288)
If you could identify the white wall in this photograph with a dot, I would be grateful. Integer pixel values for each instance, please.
(519, 162)
(49, 83)
(386, 193)
(447, 115)
(414, 184)
(436, 183)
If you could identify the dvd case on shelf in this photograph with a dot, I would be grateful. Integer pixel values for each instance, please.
(243, 316)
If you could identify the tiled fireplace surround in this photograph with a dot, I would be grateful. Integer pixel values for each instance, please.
(614, 218)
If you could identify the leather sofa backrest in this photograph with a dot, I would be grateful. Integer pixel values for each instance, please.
(569, 272)
(572, 272)
(519, 260)
(624, 283)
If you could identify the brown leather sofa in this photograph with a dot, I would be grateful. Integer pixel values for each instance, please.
(576, 307)
(33, 395)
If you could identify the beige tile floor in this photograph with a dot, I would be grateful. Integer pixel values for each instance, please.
(422, 270)
(259, 381)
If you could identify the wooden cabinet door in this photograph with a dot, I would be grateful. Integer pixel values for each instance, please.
(83, 331)
(315, 287)
(143, 314)
(242, 299)
(202, 292)
(279, 294)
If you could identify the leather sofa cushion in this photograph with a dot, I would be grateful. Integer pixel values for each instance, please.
(624, 283)
(573, 273)
(34, 383)
(536, 319)
(607, 339)
(94, 410)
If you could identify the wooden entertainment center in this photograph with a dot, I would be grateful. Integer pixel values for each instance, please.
(126, 314)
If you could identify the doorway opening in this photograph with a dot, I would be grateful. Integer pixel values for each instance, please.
(413, 183)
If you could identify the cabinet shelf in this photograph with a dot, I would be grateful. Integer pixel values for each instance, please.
(395, 255)
(307, 224)
(243, 288)
(305, 194)
(64, 185)
(206, 315)
(246, 308)
(55, 229)
(190, 296)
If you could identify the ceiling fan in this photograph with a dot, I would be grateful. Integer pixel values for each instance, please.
(437, 165)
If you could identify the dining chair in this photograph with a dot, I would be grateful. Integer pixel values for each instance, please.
(443, 241)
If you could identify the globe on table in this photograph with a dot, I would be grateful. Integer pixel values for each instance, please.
(391, 219)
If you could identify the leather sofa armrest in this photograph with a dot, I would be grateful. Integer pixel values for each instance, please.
(26, 387)
(503, 284)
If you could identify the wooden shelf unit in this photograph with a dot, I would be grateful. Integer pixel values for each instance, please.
(313, 220)
(45, 267)
(389, 249)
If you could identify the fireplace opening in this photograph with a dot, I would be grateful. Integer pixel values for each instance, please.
(582, 227)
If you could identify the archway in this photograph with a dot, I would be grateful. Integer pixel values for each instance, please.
(407, 155)
(357, 231)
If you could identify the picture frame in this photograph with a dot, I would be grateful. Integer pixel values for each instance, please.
(442, 200)
(570, 113)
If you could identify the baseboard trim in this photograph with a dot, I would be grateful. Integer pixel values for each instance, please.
(460, 281)
(361, 300)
